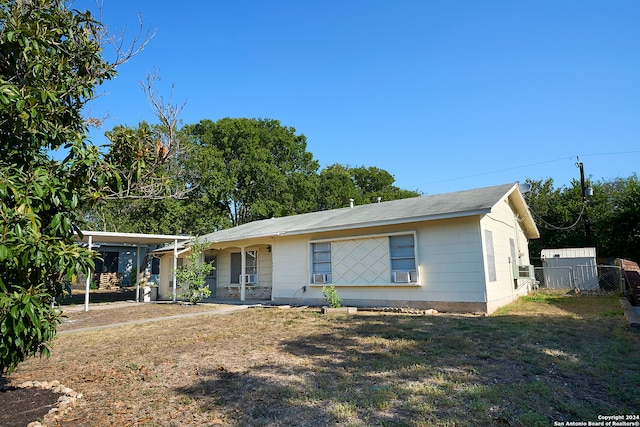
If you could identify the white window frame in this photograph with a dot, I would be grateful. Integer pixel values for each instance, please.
(314, 270)
(415, 277)
(397, 276)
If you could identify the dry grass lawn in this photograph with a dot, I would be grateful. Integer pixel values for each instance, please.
(542, 359)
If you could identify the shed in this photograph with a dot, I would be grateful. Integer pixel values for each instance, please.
(570, 268)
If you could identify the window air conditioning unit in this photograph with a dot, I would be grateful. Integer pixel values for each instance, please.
(320, 278)
(401, 277)
(250, 278)
(526, 272)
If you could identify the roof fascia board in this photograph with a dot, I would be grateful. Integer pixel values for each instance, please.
(520, 204)
(134, 235)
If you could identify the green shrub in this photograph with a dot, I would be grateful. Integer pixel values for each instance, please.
(331, 296)
(27, 323)
(191, 277)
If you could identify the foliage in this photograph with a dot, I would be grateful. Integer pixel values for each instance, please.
(331, 296)
(50, 64)
(236, 170)
(191, 276)
(27, 323)
(193, 215)
(340, 183)
(613, 212)
(256, 168)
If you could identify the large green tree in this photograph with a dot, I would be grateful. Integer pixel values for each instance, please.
(340, 183)
(51, 61)
(253, 168)
(613, 214)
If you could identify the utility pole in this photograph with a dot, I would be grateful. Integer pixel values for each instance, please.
(587, 225)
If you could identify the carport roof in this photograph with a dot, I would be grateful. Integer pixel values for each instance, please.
(129, 238)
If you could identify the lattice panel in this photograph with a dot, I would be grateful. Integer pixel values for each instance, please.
(360, 261)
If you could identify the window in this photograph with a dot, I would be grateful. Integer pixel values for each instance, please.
(403, 258)
(251, 266)
(491, 255)
(321, 259)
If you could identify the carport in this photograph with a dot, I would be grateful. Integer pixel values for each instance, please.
(136, 239)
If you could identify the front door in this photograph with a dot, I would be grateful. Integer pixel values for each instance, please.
(211, 279)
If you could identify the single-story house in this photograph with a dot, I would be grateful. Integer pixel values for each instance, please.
(461, 251)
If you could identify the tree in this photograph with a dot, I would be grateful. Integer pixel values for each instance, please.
(255, 168)
(613, 212)
(50, 64)
(618, 230)
(145, 160)
(336, 188)
(340, 183)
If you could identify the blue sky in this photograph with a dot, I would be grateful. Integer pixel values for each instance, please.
(445, 95)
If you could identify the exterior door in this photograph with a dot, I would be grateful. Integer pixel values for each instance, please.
(211, 279)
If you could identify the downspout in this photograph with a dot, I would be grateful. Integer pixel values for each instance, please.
(88, 284)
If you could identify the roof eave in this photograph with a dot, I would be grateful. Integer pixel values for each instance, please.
(520, 204)
(370, 224)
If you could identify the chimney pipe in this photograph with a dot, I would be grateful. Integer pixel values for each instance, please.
(351, 203)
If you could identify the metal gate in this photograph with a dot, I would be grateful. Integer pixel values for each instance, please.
(585, 279)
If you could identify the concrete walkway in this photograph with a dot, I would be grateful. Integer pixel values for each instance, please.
(219, 311)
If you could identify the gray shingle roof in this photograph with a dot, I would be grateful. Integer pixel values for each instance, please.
(449, 205)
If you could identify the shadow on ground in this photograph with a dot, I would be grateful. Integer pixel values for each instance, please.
(98, 296)
(408, 370)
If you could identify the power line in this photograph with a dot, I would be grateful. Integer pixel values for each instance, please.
(497, 171)
(549, 226)
(527, 166)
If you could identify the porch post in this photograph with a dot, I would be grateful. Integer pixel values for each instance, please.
(88, 281)
(243, 276)
(175, 268)
(138, 273)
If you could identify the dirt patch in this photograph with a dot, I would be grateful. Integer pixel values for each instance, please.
(531, 365)
(20, 406)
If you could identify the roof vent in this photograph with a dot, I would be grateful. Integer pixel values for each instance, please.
(379, 199)
(351, 203)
